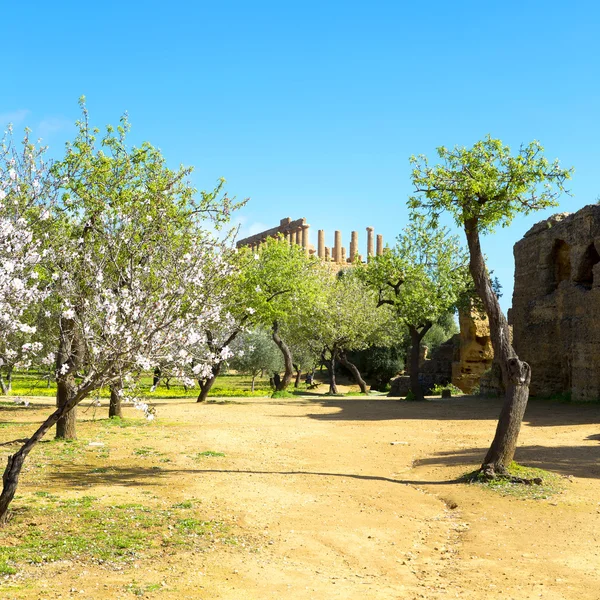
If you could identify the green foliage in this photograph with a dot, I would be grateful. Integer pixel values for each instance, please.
(276, 281)
(422, 278)
(255, 352)
(551, 483)
(439, 388)
(441, 331)
(209, 454)
(485, 184)
(344, 315)
(282, 394)
(379, 364)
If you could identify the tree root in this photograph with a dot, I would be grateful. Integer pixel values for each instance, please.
(500, 473)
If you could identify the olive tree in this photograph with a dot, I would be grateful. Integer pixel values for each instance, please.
(254, 352)
(279, 280)
(423, 277)
(344, 317)
(484, 187)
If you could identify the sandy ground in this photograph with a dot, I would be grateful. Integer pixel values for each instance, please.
(350, 498)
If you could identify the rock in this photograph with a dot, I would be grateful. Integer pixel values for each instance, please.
(475, 350)
(556, 304)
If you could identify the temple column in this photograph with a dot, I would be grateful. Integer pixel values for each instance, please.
(353, 245)
(305, 229)
(298, 235)
(379, 245)
(337, 248)
(343, 258)
(327, 254)
(321, 244)
(370, 246)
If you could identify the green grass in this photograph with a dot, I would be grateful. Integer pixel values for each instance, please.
(283, 394)
(552, 483)
(46, 528)
(138, 589)
(209, 454)
(228, 385)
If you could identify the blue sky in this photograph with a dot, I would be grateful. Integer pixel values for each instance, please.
(311, 109)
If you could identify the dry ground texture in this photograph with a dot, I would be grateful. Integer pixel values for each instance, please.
(309, 497)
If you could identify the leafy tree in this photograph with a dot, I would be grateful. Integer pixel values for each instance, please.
(254, 353)
(278, 282)
(342, 318)
(131, 276)
(422, 278)
(483, 187)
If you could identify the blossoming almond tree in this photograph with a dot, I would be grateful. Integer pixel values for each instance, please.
(27, 192)
(134, 274)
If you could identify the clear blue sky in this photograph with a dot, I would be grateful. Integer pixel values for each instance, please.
(312, 109)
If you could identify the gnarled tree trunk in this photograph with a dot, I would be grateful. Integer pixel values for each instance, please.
(516, 374)
(287, 358)
(355, 372)
(114, 408)
(330, 364)
(298, 376)
(10, 477)
(416, 336)
(206, 384)
(66, 423)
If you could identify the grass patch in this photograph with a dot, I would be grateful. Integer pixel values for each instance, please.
(49, 529)
(138, 589)
(208, 454)
(121, 423)
(282, 394)
(552, 483)
(145, 452)
(32, 383)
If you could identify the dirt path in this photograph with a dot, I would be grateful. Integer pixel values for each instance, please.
(353, 499)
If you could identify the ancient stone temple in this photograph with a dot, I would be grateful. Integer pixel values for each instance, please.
(556, 304)
(298, 232)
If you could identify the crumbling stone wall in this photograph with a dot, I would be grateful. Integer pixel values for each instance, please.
(475, 352)
(556, 304)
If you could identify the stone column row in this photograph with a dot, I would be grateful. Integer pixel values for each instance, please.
(338, 252)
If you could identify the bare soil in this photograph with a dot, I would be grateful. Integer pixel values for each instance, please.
(343, 497)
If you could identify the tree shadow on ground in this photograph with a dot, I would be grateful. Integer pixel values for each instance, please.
(540, 412)
(83, 476)
(579, 461)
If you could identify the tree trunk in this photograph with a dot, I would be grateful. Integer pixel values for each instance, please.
(3, 386)
(298, 375)
(10, 477)
(516, 374)
(252, 386)
(330, 364)
(66, 424)
(415, 354)
(9, 380)
(355, 372)
(206, 384)
(114, 408)
(287, 359)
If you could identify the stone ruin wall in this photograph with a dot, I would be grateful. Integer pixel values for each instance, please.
(298, 232)
(461, 360)
(556, 304)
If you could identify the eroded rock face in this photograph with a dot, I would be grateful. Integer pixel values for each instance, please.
(475, 351)
(556, 304)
